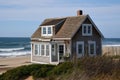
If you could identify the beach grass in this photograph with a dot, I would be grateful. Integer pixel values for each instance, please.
(86, 68)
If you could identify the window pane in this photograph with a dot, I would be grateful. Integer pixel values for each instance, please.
(53, 50)
(47, 50)
(61, 48)
(49, 30)
(39, 49)
(79, 49)
(44, 30)
(36, 49)
(61, 51)
(89, 29)
(85, 29)
(91, 48)
(42, 50)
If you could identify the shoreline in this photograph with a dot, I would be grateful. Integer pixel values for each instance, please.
(12, 62)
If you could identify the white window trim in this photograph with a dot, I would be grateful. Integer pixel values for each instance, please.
(82, 43)
(86, 34)
(92, 42)
(39, 49)
(46, 31)
(45, 49)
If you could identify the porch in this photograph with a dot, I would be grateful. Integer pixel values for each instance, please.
(50, 52)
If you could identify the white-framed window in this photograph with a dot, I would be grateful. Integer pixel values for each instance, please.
(46, 30)
(41, 49)
(36, 49)
(92, 48)
(80, 49)
(47, 50)
(86, 29)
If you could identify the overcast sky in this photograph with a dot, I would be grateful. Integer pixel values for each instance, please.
(20, 18)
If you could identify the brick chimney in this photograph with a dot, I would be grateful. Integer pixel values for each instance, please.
(79, 12)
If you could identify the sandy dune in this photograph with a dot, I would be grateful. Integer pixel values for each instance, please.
(11, 62)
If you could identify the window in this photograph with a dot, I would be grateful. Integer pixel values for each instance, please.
(46, 30)
(47, 50)
(53, 49)
(36, 49)
(49, 30)
(61, 49)
(80, 49)
(39, 49)
(86, 29)
(42, 50)
(92, 48)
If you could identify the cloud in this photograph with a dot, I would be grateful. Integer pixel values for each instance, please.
(105, 15)
(41, 9)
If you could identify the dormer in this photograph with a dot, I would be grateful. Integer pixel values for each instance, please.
(47, 31)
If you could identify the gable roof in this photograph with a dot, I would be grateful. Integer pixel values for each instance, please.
(70, 26)
(68, 29)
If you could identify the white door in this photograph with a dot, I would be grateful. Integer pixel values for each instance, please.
(92, 48)
(80, 49)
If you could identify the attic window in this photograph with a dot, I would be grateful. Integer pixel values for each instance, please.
(87, 30)
(46, 30)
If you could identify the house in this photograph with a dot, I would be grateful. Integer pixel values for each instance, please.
(74, 36)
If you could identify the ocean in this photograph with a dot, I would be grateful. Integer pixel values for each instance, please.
(10, 46)
(21, 46)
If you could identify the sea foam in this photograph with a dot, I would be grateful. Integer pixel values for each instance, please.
(4, 54)
(10, 49)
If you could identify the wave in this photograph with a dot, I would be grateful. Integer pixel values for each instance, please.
(112, 45)
(20, 53)
(11, 49)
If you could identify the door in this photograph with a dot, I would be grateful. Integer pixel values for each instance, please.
(92, 48)
(61, 51)
(54, 54)
(80, 49)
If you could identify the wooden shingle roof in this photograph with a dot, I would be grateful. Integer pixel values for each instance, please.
(52, 21)
(67, 29)
(70, 26)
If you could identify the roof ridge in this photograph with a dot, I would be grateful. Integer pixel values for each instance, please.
(55, 18)
(65, 17)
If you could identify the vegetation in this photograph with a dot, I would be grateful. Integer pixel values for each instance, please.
(87, 68)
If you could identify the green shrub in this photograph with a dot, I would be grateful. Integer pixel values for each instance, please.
(24, 71)
(43, 71)
(62, 68)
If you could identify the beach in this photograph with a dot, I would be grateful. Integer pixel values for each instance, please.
(111, 50)
(7, 63)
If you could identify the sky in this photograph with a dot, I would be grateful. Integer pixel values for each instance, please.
(20, 18)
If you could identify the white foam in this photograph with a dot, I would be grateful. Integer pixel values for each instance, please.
(11, 49)
(114, 45)
(15, 53)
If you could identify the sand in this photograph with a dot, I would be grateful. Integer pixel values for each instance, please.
(7, 63)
